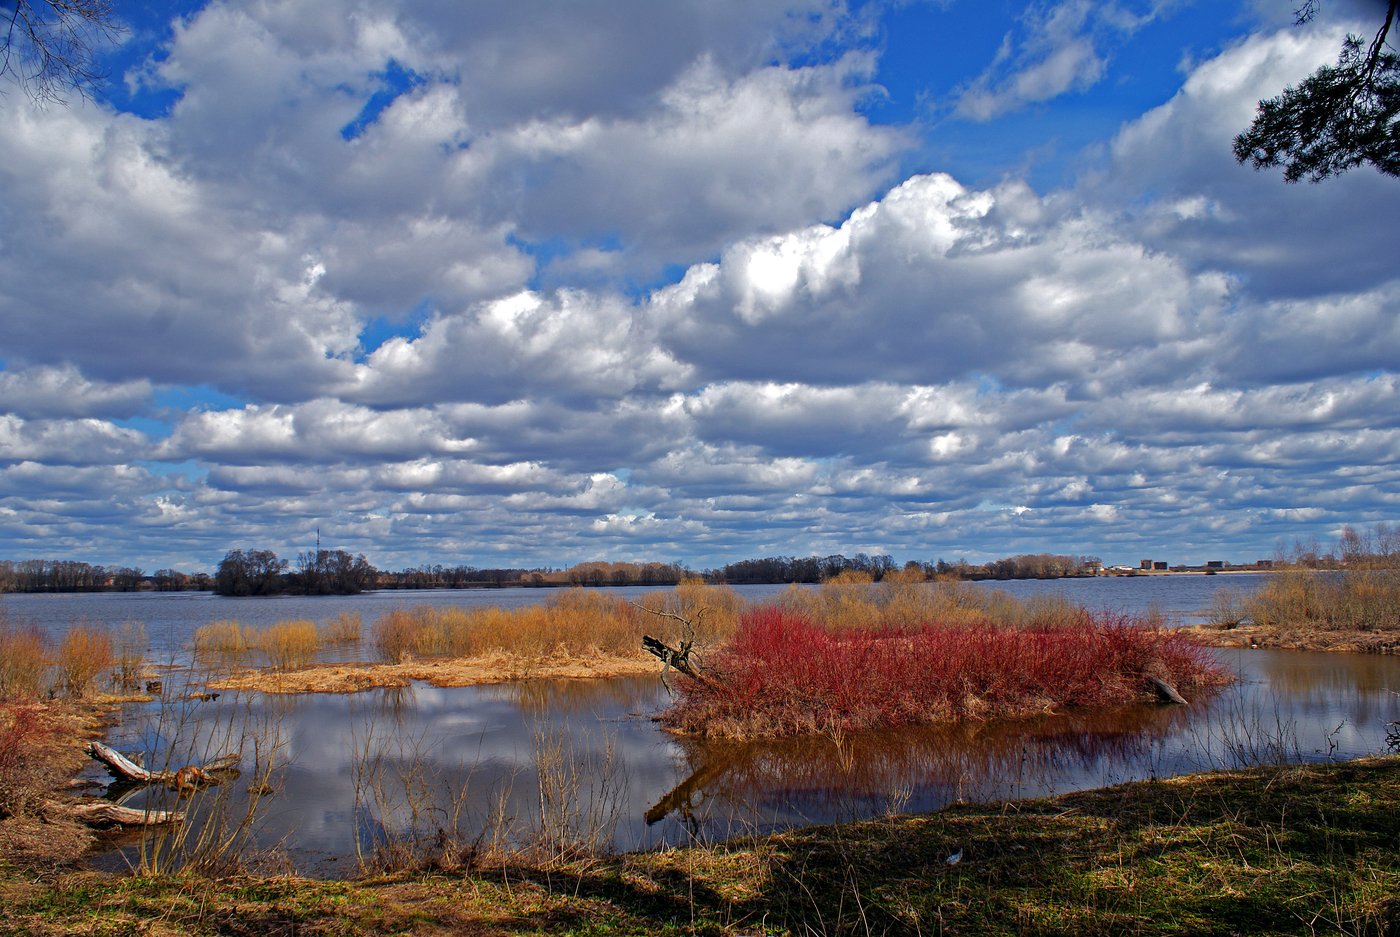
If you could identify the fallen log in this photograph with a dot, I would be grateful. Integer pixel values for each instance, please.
(189, 776)
(1165, 691)
(106, 813)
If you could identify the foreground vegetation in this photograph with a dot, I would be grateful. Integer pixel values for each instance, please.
(1291, 850)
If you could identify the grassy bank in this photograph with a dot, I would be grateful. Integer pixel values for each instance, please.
(1293, 850)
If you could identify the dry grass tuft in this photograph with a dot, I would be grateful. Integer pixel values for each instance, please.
(576, 623)
(22, 661)
(130, 655)
(345, 628)
(289, 644)
(222, 640)
(83, 654)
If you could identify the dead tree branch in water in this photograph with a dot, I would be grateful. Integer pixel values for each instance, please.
(184, 778)
(675, 658)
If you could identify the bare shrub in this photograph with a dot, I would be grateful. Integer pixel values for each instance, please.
(83, 654)
(24, 774)
(582, 796)
(786, 675)
(395, 635)
(1227, 609)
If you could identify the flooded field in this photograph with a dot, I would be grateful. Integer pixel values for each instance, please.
(339, 780)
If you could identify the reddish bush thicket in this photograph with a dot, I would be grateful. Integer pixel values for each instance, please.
(783, 675)
(24, 775)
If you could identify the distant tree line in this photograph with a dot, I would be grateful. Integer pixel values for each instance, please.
(778, 569)
(317, 572)
(438, 576)
(811, 569)
(67, 576)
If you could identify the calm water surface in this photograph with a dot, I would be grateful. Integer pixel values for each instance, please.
(388, 766)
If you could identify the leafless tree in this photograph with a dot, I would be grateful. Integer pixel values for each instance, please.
(47, 46)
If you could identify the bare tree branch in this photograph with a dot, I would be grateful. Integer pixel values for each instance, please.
(47, 46)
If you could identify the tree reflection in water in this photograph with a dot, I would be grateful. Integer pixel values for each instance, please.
(922, 768)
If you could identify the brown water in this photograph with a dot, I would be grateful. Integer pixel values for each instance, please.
(390, 768)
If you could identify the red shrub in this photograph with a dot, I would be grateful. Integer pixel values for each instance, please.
(24, 773)
(784, 675)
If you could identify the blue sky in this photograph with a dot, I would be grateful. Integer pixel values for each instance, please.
(544, 282)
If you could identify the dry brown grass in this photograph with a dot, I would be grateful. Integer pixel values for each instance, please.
(345, 628)
(578, 622)
(903, 599)
(444, 672)
(288, 644)
(23, 663)
(83, 654)
(41, 747)
(221, 640)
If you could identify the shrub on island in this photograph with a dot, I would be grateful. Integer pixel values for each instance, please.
(784, 675)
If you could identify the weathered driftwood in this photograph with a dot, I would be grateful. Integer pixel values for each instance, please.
(1165, 691)
(679, 660)
(188, 776)
(106, 813)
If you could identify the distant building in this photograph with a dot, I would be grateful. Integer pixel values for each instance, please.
(1264, 564)
(1160, 565)
(1145, 564)
(1215, 564)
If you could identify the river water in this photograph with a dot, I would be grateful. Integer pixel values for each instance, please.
(388, 768)
(570, 762)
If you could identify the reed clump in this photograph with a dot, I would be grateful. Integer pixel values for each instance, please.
(785, 674)
(130, 648)
(576, 623)
(288, 644)
(345, 628)
(1364, 600)
(852, 600)
(83, 654)
(23, 661)
(223, 640)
